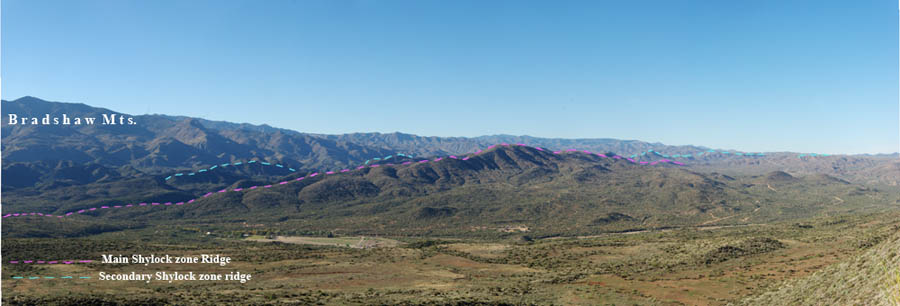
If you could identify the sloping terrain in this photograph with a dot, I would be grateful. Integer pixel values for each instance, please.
(160, 143)
(506, 189)
(872, 278)
(512, 224)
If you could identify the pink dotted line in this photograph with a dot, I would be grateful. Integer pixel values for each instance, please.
(336, 172)
(50, 262)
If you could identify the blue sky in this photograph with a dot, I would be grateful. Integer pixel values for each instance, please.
(806, 76)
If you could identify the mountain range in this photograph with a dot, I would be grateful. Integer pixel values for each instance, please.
(61, 169)
(35, 155)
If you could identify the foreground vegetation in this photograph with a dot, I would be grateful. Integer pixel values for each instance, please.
(780, 263)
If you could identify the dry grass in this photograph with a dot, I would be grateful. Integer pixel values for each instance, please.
(872, 278)
(892, 289)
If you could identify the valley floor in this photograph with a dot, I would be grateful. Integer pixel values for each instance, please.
(678, 267)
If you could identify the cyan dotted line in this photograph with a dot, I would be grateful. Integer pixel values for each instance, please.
(722, 152)
(270, 164)
(813, 155)
(335, 172)
(695, 154)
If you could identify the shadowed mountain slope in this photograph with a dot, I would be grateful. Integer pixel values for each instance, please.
(544, 193)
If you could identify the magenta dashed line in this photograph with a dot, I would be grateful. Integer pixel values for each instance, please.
(341, 171)
(50, 262)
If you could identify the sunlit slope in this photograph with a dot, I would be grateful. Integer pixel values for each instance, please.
(872, 278)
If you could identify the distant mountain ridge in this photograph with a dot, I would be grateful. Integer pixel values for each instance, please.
(552, 194)
(164, 143)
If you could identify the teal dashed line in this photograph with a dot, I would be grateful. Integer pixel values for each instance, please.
(277, 165)
(49, 277)
(367, 162)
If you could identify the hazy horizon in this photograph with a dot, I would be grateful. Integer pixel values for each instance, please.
(476, 136)
(763, 76)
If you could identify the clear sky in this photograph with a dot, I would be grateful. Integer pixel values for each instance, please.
(806, 76)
